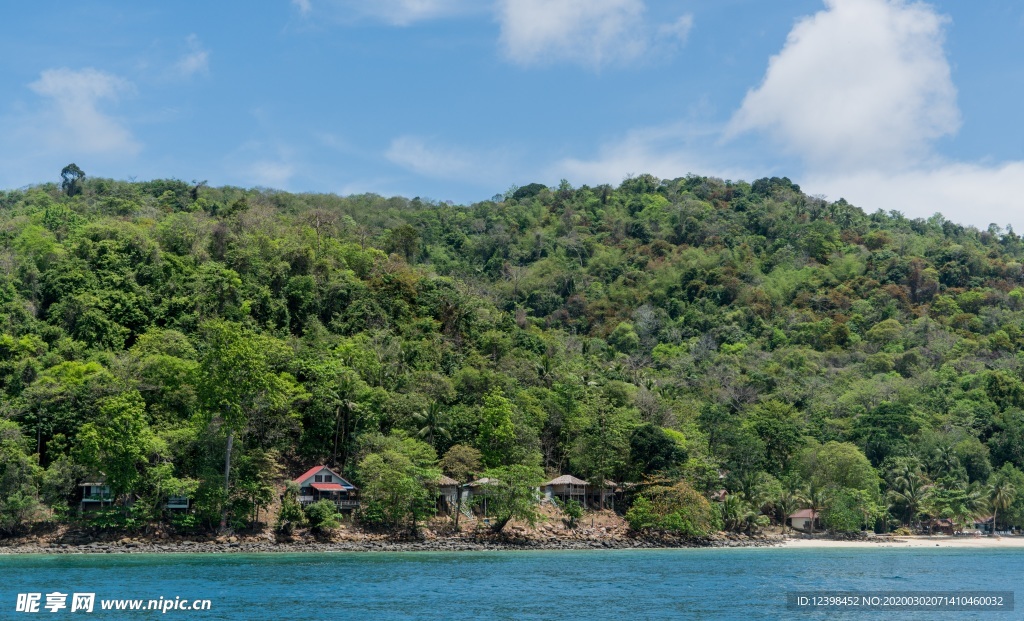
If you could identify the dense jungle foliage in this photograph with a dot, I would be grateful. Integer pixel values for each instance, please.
(693, 334)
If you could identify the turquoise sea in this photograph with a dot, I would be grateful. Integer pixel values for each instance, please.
(619, 584)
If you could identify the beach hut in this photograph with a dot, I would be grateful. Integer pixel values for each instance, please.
(96, 494)
(447, 493)
(804, 519)
(941, 527)
(566, 487)
(475, 492)
(603, 497)
(984, 524)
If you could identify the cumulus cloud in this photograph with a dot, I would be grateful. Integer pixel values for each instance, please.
(861, 91)
(862, 83)
(197, 60)
(593, 33)
(965, 193)
(73, 121)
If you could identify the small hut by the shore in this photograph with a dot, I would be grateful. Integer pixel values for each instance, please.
(447, 493)
(564, 488)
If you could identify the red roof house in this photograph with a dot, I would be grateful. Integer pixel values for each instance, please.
(804, 519)
(322, 483)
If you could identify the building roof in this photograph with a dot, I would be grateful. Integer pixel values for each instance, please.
(483, 481)
(446, 481)
(566, 479)
(328, 487)
(803, 513)
(315, 470)
(96, 478)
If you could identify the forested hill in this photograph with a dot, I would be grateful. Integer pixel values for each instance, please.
(686, 327)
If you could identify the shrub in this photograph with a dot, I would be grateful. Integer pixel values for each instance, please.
(572, 509)
(291, 514)
(677, 509)
(323, 515)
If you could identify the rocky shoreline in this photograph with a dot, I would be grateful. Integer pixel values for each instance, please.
(225, 545)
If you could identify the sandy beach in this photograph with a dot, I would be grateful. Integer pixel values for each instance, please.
(910, 542)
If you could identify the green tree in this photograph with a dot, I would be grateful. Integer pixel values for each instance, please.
(431, 424)
(676, 509)
(290, 514)
(909, 493)
(780, 429)
(1001, 493)
(837, 464)
(956, 501)
(238, 380)
(885, 430)
(398, 478)
(849, 510)
(71, 179)
(19, 476)
(601, 450)
(497, 435)
(117, 443)
(513, 496)
(739, 514)
(323, 515)
(786, 503)
(652, 450)
(461, 463)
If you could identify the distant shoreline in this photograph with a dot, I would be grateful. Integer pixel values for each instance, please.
(910, 541)
(483, 544)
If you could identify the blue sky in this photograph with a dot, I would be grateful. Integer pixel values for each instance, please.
(888, 103)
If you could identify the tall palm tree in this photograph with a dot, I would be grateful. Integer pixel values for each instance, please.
(786, 503)
(946, 461)
(431, 424)
(976, 503)
(1000, 496)
(814, 498)
(910, 490)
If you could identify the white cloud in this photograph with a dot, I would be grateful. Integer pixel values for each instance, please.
(862, 83)
(964, 193)
(304, 6)
(73, 121)
(197, 60)
(666, 152)
(394, 12)
(270, 173)
(678, 30)
(593, 33)
(861, 92)
(446, 162)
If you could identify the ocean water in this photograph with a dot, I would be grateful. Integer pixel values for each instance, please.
(615, 584)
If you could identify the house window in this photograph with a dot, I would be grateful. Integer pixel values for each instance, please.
(327, 478)
(318, 478)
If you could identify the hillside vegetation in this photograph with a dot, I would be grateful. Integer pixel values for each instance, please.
(692, 332)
